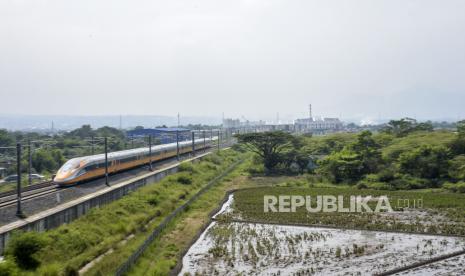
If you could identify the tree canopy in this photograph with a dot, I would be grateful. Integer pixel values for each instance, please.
(270, 146)
(405, 126)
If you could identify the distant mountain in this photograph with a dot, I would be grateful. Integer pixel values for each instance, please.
(43, 123)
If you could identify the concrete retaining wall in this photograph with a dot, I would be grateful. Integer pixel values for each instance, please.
(72, 210)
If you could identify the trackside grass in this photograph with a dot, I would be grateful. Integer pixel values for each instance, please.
(119, 227)
(165, 252)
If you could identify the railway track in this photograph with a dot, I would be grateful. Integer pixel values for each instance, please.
(27, 188)
(34, 191)
(9, 198)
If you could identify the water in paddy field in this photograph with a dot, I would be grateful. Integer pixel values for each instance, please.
(232, 248)
(452, 266)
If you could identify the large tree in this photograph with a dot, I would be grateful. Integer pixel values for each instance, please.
(426, 161)
(457, 146)
(270, 146)
(5, 138)
(405, 126)
(353, 161)
(84, 131)
(461, 128)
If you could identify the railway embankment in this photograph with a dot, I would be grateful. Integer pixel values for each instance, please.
(63, 206)
(69, 247)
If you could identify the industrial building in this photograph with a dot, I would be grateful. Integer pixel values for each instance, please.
(317, 125)
(164, 135)
(305, 125)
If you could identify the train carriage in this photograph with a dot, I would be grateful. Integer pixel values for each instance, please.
(89, 167)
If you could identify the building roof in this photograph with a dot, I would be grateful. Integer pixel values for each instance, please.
(146, 131)
(171, 129)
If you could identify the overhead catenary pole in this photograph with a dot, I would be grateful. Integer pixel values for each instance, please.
(29, 162)
(219, 140)
(150, 152)
(211, 137)
(177, 144)
(193, 143)
(204, 141)
(106, 162)
(19, 212)
(92, 145)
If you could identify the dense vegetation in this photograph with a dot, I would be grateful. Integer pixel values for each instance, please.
(403, 155)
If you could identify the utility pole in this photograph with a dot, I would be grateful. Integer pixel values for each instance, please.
(179, 121)
(219, 141)
(92, 141)
(150, 153)
(29, 168)
(19, 212)
(106, 162)
(211, 137)
(204, 141)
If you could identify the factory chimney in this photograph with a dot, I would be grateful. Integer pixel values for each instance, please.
(310, 112)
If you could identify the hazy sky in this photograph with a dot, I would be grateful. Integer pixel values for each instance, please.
(355, 59)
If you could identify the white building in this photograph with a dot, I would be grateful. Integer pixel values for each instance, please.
(317, 125)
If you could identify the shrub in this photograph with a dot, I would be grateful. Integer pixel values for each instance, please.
(387, 174)
(71, 271)
(361, 185)
(371, 178)
(256, 170)
(426, 161)
(378, 186)
(153, 201)
(450, 186)
(371, 181)
(213, 158)
(186, 167)
(406, 181)
(184, 179)
(23, 246)
(239, 148)
(457, 167)
(456, 188)
(8, 268)
(49, 270)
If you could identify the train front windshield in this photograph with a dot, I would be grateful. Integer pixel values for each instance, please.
(69, 166)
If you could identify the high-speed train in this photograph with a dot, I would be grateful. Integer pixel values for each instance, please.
(89, 167)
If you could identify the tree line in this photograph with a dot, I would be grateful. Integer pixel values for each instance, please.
(404, 154)
(50, 152)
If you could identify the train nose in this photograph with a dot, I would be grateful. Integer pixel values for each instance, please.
(61, 177)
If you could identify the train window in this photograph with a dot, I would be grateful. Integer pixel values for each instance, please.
(81, 171)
